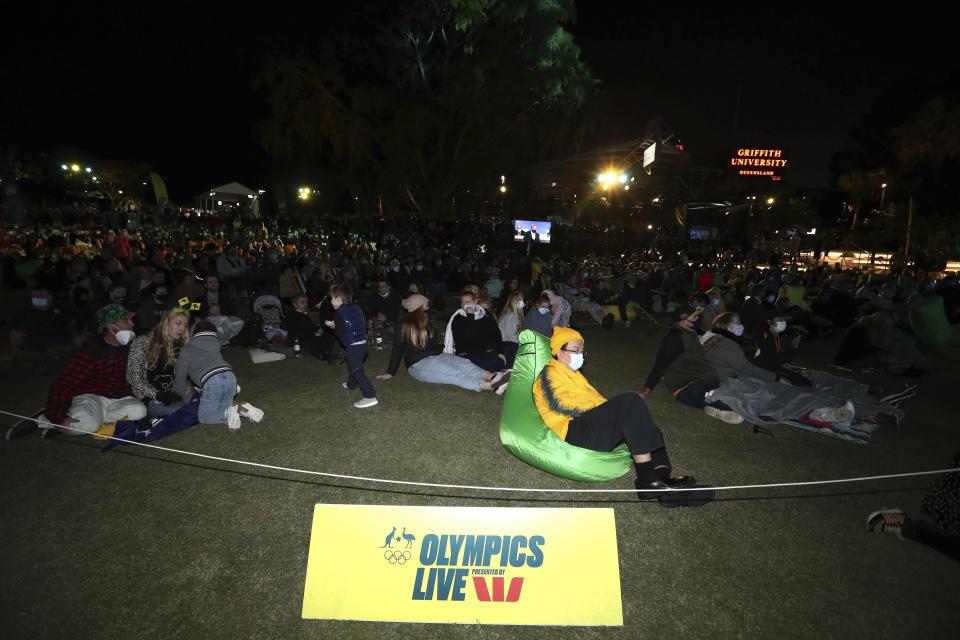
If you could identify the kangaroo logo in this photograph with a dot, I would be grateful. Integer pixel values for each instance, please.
(389, 540)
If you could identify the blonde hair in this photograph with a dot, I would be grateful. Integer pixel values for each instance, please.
(511, 305)
(160, 339)
(417, 328)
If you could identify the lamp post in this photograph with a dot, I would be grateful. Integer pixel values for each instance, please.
(883, 192)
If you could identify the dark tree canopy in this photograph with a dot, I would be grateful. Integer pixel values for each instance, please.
(412, 101)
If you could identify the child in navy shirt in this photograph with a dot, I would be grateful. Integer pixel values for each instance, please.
(351, 328)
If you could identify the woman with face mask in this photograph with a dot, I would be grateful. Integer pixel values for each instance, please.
(539, 317)
(722, 345)
(578, 414)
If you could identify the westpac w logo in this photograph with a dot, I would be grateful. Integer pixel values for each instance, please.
(484, 595)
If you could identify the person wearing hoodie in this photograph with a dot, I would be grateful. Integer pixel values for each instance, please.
(351, 328)
(200, 362)
(473, 334)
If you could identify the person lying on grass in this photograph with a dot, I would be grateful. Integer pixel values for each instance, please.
(420, 348)
(682, 365)
(576, 412)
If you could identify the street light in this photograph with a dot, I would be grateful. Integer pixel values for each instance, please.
(75, 168)
(770, 201)
(503, 189)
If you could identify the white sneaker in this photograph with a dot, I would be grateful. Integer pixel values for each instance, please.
(366, 402)
(626, 324)
(250, 412)
(730, 417)
(841, 416)
(345, 386)
(238, 388)
(233, 417)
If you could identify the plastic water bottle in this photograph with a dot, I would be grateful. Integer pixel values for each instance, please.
(296, 348)
(379, 340)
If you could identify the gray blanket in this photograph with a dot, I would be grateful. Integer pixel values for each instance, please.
(775, 401)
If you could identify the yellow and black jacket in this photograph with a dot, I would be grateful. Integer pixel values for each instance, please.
(562, 394)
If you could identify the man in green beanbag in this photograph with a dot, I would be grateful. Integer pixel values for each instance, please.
(576, 412)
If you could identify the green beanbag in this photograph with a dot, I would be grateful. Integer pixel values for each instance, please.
(934, 333)
(525, 435)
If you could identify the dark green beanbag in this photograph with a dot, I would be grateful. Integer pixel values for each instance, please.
(525, 435)
(934, 333)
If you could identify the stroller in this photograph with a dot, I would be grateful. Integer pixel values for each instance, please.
(268, 323)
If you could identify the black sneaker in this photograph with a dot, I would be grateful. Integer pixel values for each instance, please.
(23, 427)
(499, 382)
(673, 499)
(607, 321)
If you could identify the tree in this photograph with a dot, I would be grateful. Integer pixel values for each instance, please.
(422, 98)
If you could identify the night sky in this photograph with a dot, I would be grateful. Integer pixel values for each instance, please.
(173, 89)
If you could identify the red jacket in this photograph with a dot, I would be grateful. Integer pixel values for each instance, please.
(97, 368)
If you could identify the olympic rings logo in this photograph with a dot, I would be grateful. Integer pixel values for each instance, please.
(396, 557)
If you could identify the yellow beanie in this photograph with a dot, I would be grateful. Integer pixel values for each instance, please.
(561, 336)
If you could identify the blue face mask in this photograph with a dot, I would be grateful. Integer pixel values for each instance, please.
(736, 329)
(39, 302)
(771, 299)
(576, 361)
(543, 310)
(419, 267)
(716, 302)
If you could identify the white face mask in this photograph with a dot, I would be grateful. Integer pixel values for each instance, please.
(470, 308)
(125, 336)
(780, 327)
(543, 310)
(576, 361)
(519, 304)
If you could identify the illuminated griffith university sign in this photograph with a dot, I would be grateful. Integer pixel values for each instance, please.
(760, 162)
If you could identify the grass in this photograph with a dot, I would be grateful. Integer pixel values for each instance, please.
(141, 543)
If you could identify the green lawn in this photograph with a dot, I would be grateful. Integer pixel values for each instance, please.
(140, 543)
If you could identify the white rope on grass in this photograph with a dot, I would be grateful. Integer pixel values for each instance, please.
(435, 485)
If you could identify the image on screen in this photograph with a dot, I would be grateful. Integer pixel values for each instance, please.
(533, 230)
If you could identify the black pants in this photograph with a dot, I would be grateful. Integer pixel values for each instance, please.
(621, 419)
(487, 360)
(932, 536)
(692, 395)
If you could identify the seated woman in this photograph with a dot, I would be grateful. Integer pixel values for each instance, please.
(578, 414)
(420, 348)
(685, 370)
(723, 350)
(150, 365)
(511, 324)
(473, 334)
(539, 318)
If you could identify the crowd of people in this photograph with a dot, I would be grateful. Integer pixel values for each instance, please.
(345, 285)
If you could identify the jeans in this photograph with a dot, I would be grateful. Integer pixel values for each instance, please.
(447, 368)
(217, 396)
(355, 353)
(159, 410)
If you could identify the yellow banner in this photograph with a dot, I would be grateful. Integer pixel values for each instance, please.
(463, 565)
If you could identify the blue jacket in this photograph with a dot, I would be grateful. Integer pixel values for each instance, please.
(349, 324)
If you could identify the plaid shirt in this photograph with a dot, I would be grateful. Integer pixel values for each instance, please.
(96, 368)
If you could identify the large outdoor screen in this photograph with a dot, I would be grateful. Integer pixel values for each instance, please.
(533, 230)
